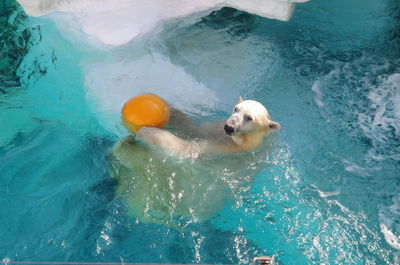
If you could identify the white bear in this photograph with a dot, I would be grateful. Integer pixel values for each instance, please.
(172, 190)
(243, 131)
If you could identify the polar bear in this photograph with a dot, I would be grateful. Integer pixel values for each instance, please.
(173, 190)
(243, 131)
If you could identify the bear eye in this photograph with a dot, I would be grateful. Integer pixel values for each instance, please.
(236, 109)
(248, 118)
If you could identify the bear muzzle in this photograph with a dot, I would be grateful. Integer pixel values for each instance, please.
(229, 130)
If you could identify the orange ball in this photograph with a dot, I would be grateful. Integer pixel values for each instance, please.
(145, 110)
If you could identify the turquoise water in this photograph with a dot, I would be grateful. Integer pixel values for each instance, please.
(329, 192)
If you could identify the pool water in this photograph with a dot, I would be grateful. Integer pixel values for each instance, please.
(327, 194)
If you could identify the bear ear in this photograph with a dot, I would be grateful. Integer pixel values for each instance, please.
(239, 100)
(273, 125)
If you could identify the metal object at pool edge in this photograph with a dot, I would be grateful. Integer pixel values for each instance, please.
(264, 260)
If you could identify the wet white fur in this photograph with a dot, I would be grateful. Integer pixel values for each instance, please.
(250, 119)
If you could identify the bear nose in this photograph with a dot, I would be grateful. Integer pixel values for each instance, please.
(229, 129)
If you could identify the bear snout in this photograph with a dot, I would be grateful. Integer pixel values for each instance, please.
(229, 130)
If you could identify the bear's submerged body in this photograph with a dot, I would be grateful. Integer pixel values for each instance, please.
(187, 174)
(165, 189)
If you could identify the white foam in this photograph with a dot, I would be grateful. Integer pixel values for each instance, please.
(391, 239)
(326, 194)
(319, 84)
(394, 82)
(385, 103)
(116, 22)
(321, 252)
(316, 87)
(389, 217)
(378, 117)
(356, 169)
